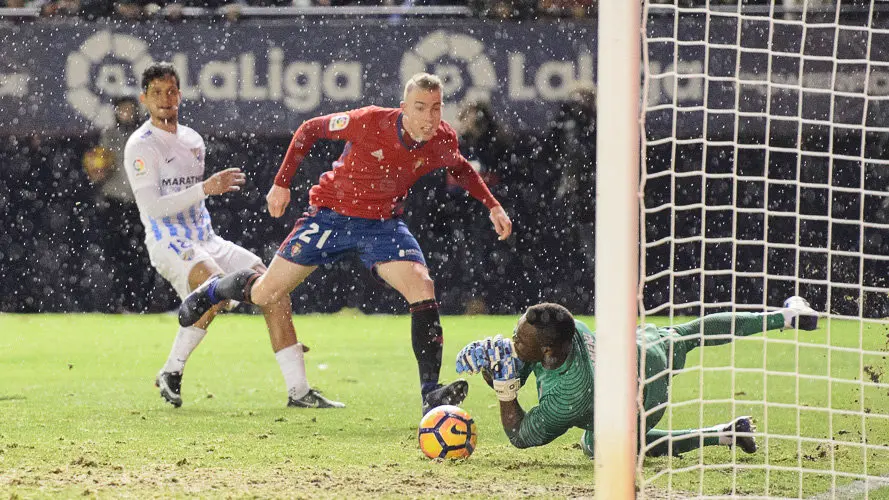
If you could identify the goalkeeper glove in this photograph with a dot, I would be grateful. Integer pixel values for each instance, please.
(472, 358)
(503, 366)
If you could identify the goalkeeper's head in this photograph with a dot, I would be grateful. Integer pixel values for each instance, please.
(544, 334)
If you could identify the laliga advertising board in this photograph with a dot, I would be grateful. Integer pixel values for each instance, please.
(268, 78)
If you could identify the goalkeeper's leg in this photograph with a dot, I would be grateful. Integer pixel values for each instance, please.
(739, 431)
(721, 328)
(659, 443)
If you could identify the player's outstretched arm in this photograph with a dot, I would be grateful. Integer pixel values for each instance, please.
(511, 412)
(278, 198)
(502, 223)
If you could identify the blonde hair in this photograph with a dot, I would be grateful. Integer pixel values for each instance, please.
(424, 81)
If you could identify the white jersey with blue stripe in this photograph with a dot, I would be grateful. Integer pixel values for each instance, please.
(166, 172)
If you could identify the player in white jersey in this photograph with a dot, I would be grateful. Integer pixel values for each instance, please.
(164, 161)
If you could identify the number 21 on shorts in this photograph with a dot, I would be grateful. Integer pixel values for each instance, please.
(313, 228)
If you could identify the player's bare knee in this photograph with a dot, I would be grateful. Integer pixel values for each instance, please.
(423, 284)
(429, 289)
(279, 304)
(283, 302)
(264, 298)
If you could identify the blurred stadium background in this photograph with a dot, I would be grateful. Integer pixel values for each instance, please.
(520, 89)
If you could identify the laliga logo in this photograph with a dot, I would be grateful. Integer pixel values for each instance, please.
(111, 77)
(444, 54)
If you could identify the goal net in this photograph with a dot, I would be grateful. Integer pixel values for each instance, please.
(765, 174)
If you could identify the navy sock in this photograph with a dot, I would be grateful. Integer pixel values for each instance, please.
(427, 341)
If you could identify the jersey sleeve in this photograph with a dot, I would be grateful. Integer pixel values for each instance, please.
(349, 126)
(543, 423)
(142, 164)
(565, 405)
(466, 176)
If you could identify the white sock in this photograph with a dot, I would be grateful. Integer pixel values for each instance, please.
(293, 367)
(186, 341)
(789, 315)
(726, 431)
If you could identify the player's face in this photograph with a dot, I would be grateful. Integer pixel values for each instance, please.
(125, 112)
(524, 342)
(422, 113)
(162, 99)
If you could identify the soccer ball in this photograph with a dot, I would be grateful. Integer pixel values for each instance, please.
(447, 432)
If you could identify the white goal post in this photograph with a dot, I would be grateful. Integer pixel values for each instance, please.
(763, 135)
(617, 268)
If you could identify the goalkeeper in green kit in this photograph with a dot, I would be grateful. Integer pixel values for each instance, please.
(561, 352)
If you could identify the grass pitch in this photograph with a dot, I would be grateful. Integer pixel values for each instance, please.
(79, 415)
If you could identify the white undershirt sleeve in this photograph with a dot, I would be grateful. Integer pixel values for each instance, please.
(151, 203)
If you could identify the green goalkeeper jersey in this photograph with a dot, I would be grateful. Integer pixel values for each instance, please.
(565, 393)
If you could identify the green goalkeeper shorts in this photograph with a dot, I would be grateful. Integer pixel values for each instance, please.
(660, 348)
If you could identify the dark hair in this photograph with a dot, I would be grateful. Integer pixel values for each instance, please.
(479, 111)
(117, 101)
(158, 70)
(554, 323)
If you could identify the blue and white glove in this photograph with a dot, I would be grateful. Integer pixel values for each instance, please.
(473, 358)
(495, 356)
(503, 366)
(481, 354)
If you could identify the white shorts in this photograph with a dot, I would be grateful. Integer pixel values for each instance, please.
(174, 258)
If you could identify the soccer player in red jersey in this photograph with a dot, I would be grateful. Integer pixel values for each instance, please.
(355, 207)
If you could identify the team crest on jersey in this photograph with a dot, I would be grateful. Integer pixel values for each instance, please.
(338, 122)
(295, 249)
(139, 166)
(197, 153)
(378, 154)
(419, 164)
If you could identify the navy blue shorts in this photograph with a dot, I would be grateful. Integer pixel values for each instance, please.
(323, 236)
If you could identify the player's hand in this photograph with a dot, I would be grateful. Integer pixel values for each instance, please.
(494, 358)
(503, 368)
(488, 376)
(278, 199)
(501, 359)
(472, 358)
(501, 221)
(230, 179)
